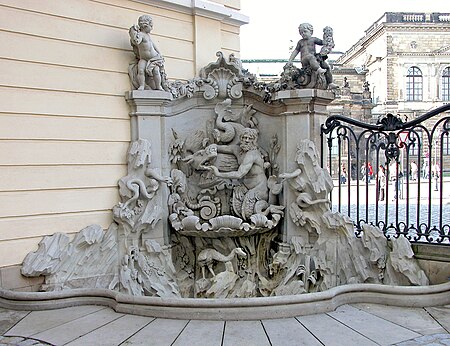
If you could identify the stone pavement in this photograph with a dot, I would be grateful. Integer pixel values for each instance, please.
(356, 324)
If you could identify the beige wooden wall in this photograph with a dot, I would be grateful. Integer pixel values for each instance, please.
(64, 124)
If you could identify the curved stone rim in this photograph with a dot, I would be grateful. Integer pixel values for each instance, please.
(224, 232)
(211, 229)
(232, 309)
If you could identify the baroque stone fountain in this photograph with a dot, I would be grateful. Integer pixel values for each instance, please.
(224, 196)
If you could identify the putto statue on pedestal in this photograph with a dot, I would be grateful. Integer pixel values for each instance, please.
(147, 70)
(315, 71)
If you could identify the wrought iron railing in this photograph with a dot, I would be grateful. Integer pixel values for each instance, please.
(394, 174)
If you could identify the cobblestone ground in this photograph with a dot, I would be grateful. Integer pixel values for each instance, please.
(19, 341)
(398, 214)
(429, 340)
(411, 213)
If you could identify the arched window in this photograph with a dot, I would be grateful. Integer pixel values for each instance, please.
(445, 94)
(414, 84)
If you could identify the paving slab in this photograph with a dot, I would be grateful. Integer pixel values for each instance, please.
(201, 333)
(38, 321)
(248, 333)
(113, 333)
(442, 315)
(9, 318)
(288, 332)
(159, 332)
(415, 319)
(76, 328)
(374, 328)
(333, 333)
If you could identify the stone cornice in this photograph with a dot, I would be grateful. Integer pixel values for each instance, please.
(359, 47)
(427, 54)
(348, 71)
(202, 8)
(407, 27)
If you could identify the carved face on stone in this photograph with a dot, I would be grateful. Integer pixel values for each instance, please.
(249, 138)
(211, 150)
(328, 31)
(305, 30)
(145, 23)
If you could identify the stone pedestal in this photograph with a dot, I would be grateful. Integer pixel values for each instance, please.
(148, 109)
(305, 112)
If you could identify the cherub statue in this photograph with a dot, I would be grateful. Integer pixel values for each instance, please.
(308, 56)
(150, 61)
(307, 48)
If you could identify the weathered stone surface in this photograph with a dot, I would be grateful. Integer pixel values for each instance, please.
(89, 260)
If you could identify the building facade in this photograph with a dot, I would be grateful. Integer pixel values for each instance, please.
(406, 59)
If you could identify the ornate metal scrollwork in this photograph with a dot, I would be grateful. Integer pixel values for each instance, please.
(392, 151)
(405, 156)
(390, 122)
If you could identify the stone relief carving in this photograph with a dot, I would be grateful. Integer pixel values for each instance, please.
(147, 70)
(231, 172)
(145, 266)
(357, 261)
(89, 260)
(137, 212)
(147, 271)
(207, 257)
(224, 78)
(224, 210)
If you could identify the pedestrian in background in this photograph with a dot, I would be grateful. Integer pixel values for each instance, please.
(369, 172)
(381, 183)
(343, 175)
(414, 170)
